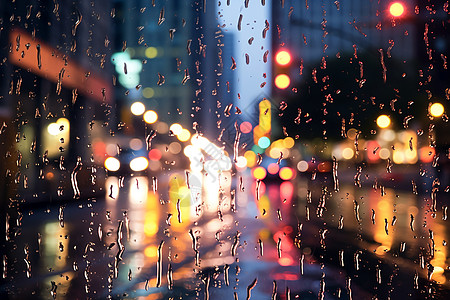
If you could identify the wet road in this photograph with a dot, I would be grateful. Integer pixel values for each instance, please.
(219, 238)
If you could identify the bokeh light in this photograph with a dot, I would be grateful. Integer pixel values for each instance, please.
(283, 57)
(264, 142)
(150, 117)
(184, 135)
(259, 173)
(112, 164)
(383, 121)
(436, 109)
(282, 81)
(137, 108)
(396, 9)
(139, 164)
(286, 173)
(176, 128)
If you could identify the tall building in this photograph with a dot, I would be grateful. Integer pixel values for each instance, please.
(157, 37)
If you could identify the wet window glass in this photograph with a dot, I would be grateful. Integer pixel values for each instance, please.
(232, 149)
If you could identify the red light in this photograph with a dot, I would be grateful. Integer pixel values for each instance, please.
(154, 154)
(273, 168)
(246, 127)
(283, 58)
(286, 191)
(396, 9)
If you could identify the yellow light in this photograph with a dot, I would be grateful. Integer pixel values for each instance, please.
(274, 153)
(396, 9)
(150, 117)
(137, 108)
(283, 58)
(286, 173)
(112, 164)
(63, 122)
(53, 129)
(250, 156)
(150, 251)
(282, 81)
(436, 109)
(259, 173)
(139, 164)
(288, 142)
(265, 117)
(184, 135)
(176, 128)
(347, 153)
(151, 52)
(383, 121)
(148, 92)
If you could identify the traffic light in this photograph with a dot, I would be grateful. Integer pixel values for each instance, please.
(396, 9)
(283, 60)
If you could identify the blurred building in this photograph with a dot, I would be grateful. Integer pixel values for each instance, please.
(316, 29)
(56, 92)
(155, 38)
(182, 60)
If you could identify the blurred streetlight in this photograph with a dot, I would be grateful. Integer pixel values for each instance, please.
(139, 164)
(383, 121)
(184, 135)
(396, 9)
(150, 117)
(112, 164)
(176, 128)
(436, 109)
(137, 108)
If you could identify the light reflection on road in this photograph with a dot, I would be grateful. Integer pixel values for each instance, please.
(266, 231)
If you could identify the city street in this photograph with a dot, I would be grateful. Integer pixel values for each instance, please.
(142, 242)
(214, 149)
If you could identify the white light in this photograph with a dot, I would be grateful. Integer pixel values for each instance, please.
(137, 108)
(136, 144)
(129, 81)
(225, 163)
(53, 129)
(387, 135)
(150, 117)
(139, 164)
(112, 164)
(347, 153)
(302, 166)
(241, 162)
(176, 128)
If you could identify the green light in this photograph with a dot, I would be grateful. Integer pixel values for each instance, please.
(257, 149)
(264, 142)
